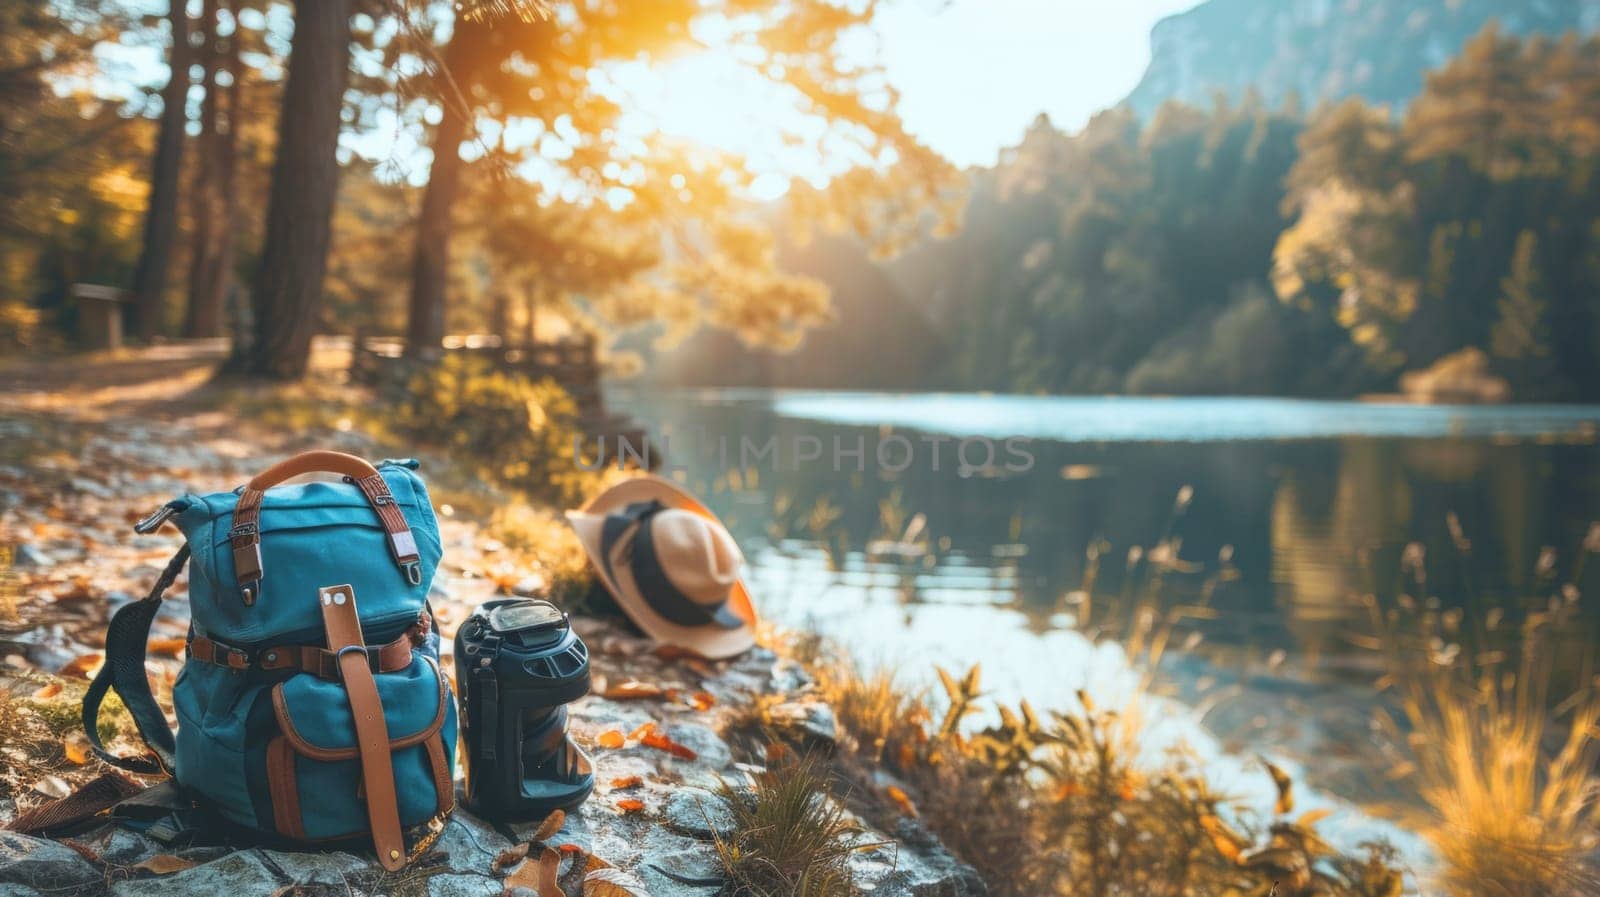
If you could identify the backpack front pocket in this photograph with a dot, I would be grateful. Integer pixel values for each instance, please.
(314, 771)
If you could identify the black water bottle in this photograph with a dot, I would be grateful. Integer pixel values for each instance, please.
(518, 664)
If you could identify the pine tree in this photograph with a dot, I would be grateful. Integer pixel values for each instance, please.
(1522, 333)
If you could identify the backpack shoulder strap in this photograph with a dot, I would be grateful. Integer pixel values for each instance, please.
(127, 638)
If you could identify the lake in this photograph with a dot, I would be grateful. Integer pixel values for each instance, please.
(913, 550)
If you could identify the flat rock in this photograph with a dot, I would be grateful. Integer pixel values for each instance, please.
(29, 556)
(237, 873)
(42, 865)
(464, 885)
(698, 813)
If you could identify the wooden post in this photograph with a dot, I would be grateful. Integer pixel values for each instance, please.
(99, 314)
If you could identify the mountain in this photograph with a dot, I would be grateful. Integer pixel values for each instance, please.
(1328, 49)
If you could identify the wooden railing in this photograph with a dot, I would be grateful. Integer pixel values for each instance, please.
(573, 363)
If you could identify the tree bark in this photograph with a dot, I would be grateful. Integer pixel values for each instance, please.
(161, 214)
(215, 197)
(431, 261)
(286, 293)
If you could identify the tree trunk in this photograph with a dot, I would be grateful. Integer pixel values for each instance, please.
(215, 197)
(161, 214)
(431, 260)
(530, 321)
(286, 293)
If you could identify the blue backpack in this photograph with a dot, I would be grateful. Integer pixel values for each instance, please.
(310, 706)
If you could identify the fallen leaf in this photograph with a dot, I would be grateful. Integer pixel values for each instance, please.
(901, 800)
(630, 805)
(626, 782)
(46, 692)
(83, 666)
(662, 743)
(702, 700)
(507, 857)
(75, 749)
(570, 848)
(79, 590)
(165, 864)
(612, 883)
(674, 652)
(550, 826)
(610, 738)
(642, 731)
(172, 647)
(84, 851)
(539, 875)
(633, 690)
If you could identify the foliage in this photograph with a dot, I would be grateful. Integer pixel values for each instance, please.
(1470, 222)
(1506, 763)
(789, 838)
(516, 432)
(1065, 805)
(1129, 257)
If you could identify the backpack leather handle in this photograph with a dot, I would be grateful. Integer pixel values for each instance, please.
(320, 461)
(245, 535)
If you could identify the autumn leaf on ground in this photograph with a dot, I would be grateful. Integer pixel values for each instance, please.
(173, 647)
(612, 883)
(83, 666)
(76, 749)
(702, 700)
(550, 826)
(79, 590)
(642, 731)
(165, 864)
(626, 782)
(901, 800)
(538, 875)
(630, 805)
(662, 743)
(610, 738)
(46, 692)
(507, 857)
(633, 690)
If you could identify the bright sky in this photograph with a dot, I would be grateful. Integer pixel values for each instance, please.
(972, 75)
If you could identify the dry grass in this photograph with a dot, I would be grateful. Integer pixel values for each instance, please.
(789, 838)
(1505, 759)
(1070, 803)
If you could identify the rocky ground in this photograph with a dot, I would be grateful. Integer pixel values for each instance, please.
(88, 446)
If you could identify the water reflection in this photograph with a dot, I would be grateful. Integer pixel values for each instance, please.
(1268, 521)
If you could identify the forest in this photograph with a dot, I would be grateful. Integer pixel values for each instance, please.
(1233, 249)
(237, 196)
(1243, 249)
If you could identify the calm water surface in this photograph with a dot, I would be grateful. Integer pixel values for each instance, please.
(1275, 512)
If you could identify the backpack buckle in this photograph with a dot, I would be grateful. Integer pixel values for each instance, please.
(371, 653)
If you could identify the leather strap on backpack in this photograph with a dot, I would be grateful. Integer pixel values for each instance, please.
(245, 535)
(343, 625)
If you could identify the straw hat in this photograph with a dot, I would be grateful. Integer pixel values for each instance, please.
(670, 564)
